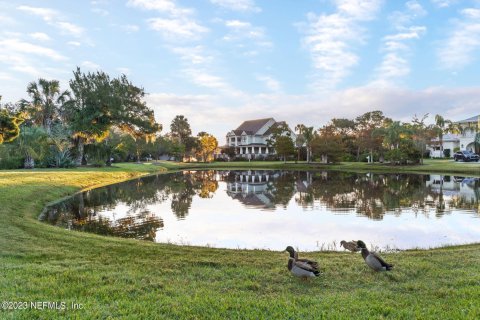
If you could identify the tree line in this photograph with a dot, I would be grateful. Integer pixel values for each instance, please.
(97, 120)
(369, 137)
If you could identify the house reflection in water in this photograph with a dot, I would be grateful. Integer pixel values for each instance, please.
(252, 188)
(266, 188)
(455, 192)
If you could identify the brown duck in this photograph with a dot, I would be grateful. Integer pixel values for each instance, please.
(351, 245)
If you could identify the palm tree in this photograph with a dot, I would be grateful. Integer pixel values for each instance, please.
(308, 135)
(31, 144)
(47, 100)
(440, 122)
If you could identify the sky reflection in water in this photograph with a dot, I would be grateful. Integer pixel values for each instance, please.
(273, 209)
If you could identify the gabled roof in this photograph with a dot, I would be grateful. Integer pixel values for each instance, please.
(273, 127)
(472, 119)
(251, 126)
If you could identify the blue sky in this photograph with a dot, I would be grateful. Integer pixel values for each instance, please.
(220, 62)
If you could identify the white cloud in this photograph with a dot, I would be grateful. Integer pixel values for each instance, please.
(74, 43)
(237, 5)
(396, 46)
(45, 13)
(90, 65)
(70, 28)
(331, 40)
(40, 36)
(101, 12)
(444, 3)
(245, 35)
(179, 25)
(194, 55)
(220, 115)
(463, 42)
(271, 83)
(18, 46)
(54, 18)
(167, 6)
(177, 29)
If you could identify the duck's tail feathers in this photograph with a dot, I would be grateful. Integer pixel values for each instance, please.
(316, 273)
(389, 267)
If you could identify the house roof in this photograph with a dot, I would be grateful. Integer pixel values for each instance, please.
(472, 119)
(275, 125)
(251, 126)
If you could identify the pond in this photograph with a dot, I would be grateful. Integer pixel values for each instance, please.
(268, 209)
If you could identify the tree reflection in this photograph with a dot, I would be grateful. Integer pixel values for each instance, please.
(130, 204)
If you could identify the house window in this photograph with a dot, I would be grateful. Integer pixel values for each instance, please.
(244, 139)
(232, 139)
(238, 139)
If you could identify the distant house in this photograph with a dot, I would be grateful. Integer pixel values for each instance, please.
(462, 141)
(250, 138)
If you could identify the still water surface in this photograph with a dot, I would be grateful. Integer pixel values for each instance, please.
(272, 209)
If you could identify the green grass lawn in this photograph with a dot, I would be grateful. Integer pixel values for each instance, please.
(129, 279)
(429, 166)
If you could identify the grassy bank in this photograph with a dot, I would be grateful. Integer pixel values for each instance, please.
(121, 278)
(429, 166)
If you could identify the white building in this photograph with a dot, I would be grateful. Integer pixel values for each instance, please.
(250, 138)
(461, 141)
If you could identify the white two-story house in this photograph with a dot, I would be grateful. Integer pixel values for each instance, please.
(250, 138)
(462, 141)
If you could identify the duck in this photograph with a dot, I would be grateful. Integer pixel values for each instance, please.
(351, 245)
(302, 270)
(294, 255)
(372, 259)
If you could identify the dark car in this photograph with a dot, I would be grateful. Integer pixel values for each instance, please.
(466, 156)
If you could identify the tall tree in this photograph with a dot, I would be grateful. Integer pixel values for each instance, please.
(328, 145)
(9, 124)
(89, 113)
(365, 126)
(180, 130)
(208, 145)
(308, 135)
(47, 101)
(100, 103)
(440, 123)
(281, 140)
(422, 134)
(134, 117)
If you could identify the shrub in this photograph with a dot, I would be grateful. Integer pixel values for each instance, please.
(447, 153)
(11, 163)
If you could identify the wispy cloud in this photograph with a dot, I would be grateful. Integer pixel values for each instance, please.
(271, 83)
(192, 55)
(331, 40)
(237, 5)
(463, 42)
(13, 46)
(55, 19)
(444, 3)
(167, 6)
(396, 46)
(221, 115)
(90, 65)
(178, 25)
(246, 34)
(177, 29)
(40, 36)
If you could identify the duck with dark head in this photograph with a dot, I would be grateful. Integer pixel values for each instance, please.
(372, 259)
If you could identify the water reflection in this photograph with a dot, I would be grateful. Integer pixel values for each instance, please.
(142, 208)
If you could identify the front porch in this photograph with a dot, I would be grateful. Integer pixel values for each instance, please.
(254, 151)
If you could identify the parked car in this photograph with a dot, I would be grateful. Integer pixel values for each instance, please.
(466, 156)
